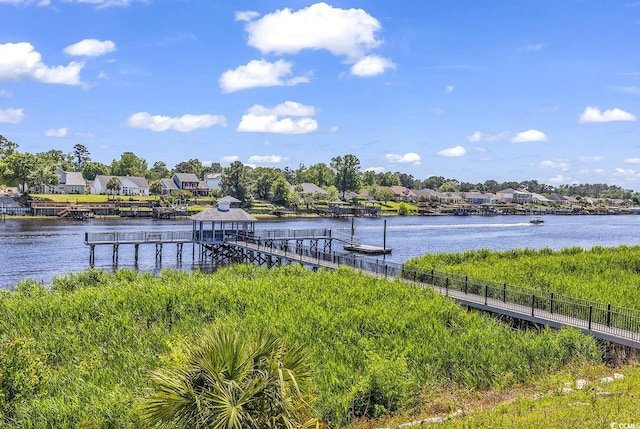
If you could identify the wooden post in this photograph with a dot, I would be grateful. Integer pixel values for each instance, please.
(114, 255)
(551, 304)
(590, 315)
(504, 293)
(608, 315)
(446, 287)
(159, 252)
(179, 252)
(486, 294)
(92, 255)
(466, 284)
(135, 256)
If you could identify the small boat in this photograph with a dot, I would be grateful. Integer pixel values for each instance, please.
(536, 221)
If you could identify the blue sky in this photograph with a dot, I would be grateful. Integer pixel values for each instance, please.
(474, 90)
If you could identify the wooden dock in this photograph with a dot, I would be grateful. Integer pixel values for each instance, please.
(280, 247)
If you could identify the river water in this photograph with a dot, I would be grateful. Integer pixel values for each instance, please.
(44, 248)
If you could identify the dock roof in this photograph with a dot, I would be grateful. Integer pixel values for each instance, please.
(231, 215)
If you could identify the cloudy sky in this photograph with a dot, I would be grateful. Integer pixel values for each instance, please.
(473, 90)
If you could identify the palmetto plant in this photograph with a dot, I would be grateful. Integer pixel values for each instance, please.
(234, 380)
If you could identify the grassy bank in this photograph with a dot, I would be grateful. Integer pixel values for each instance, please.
(80, 354)
(609, 275)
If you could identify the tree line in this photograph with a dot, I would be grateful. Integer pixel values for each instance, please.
(342, 175)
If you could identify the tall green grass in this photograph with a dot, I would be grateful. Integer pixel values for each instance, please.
(610, 275)
(88, 344)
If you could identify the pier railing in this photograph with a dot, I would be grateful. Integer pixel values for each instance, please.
(613, 321)
(292, 234)
(138, 237)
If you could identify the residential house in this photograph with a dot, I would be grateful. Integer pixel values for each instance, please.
(190, 182)
(130, 185)
(213, 180)
(168, 186)
(308, 189)
(479, 198)
(69, 182)
(540, 199)
(401, 193)
(558, 199)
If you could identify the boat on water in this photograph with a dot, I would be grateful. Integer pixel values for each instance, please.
(536, 221)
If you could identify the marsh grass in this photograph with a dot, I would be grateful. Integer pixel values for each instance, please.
(375, 344)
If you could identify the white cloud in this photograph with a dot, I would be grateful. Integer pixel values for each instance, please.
(376, 169)
(449, 89)
(371, 65)
(21, 61)
(184, 123)
(261, 119)
(628, 89)
(531, 47)
(267, 159)
(452, 152)
(334, 129)
(530, 136)
(348, 32)
(251, 123)
(59, 132)
(5, 94)
(246, 16)
(407, 158)
(592, 158)
(558, 179)
(632, 161)
(557, 164)
(479, 136)
(625, 172)
(90, 48)
(288, 108)
(230, 158)
(11, 116)
(593, 114)
(259, 73)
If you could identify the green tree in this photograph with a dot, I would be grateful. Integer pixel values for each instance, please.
(92, 169)
(21, 169)
(80, 156)
(280, 191)
(233, 380)
(263, 179)
(158, 171)
(155, 187)
(388, 179)
(235, 181)
(320, 174)
(347, 171)
(332, 193)
(6, 147)
(129, 165)
(56, 159)
(369, 178)
(192, 166)
(114, 185)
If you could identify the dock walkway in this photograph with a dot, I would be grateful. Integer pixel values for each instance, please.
(604, 321)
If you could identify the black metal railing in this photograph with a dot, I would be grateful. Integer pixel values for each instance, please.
(567, 310)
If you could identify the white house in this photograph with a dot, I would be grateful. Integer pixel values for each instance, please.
(130, 185)
(69, 182)
(213, 180)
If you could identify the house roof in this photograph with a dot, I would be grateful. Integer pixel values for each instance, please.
(186, 177)
(309, 188)
(74, 178)
(215, 215)
(169, 184)
(126, 181)
(402, 191)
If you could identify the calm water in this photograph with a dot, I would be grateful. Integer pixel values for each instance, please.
(42, 249)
